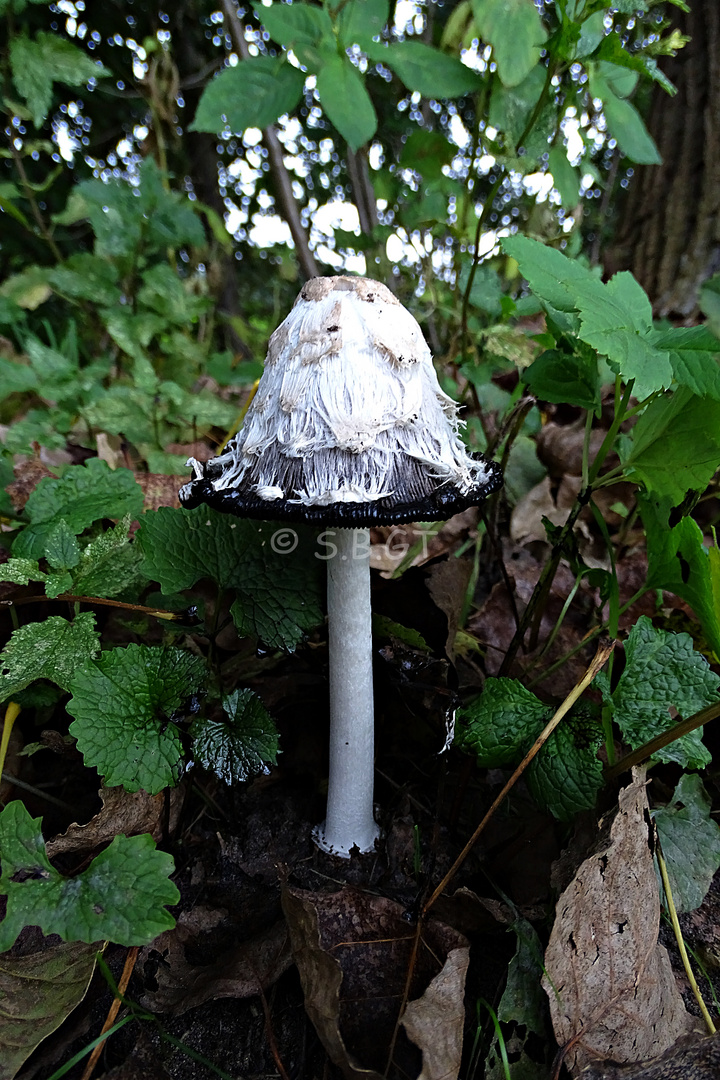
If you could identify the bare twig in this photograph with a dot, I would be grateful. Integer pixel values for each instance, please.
(127, 971)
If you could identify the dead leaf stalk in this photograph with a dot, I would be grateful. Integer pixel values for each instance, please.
(683, 727)
(127, 971)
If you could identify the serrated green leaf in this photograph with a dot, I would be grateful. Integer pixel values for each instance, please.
(44, 988)
(566, 776)
(346, 102)
(690, 842)
(53, 649)
(36, 64)
(62, 550)
(612, 50)
(676, 445)
(516, 33)
(625, 124)
(695, 357)
(553, 277)
(57, 582)
(109, 564)
(278, 595)
(664, 680)
(123, 704)
(360, 21)
(427, 70)
(564, 377)
(679, 562)
(242, 744)
(502, 723)
(295, 24)
(21, 571)
(121, 896)
(82, 495)
(566, 178)
(86, 277)
(254, 93)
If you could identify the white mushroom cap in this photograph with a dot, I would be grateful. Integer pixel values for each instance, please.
(349, 425)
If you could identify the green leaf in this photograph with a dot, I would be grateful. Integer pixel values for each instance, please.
(566, 776)
(28, 289)
(346, 102)
(86, 277)
(502, 723)
(82, 495)
(553, 277)
(254, 93)
(295, 24)
(664, 680)
(611, 49)
(362, 20)
(625, 124)
(120, 897)
(57, 583)
(242, 744)
(690, 842)
(62, 550)
(21, 571)
(36, 64)
(522, 1010)
(427, 152)
(676, 445)
(125, 707)
(679, 562)
(44, 988)
(565, 177)
(53, 649)
(516, 33)
(693, 353)
(278, 595)
(109, 564)
(426, 70)
(709, 301)
(564, 377)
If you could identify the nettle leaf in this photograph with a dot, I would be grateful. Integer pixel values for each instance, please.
(21, 571)
(566, 776)
(53, 649)
(516, 33)
(679, 562)
(278, 594)
(664, 680)
(124, 705)
(120, 897)
(36, 64)
(675, 445)
(109, 564)
(565, 377)
(694, 354)
(82, 495)
(690, 842)
(254, 93)
(240, 745)
(500, 725)
(346, 102)
(426, 70)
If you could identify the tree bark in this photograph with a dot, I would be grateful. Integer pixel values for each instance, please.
(668, 233)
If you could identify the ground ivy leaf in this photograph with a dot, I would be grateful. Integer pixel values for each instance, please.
(690, 842)
(53, 649)
(502, 723)
(662, 673)
(240, 745)
(123, 704)
(278, 595)
(675, 445)
(120, 897)
(82, 495)
(21, 571)
(566, 776)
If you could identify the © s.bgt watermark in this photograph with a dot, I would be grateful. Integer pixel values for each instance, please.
(395, 547)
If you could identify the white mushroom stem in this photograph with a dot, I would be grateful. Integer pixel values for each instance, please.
(350, 822)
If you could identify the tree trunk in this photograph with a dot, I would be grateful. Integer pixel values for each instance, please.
(668, 233)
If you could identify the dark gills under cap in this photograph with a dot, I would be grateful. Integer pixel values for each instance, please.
(349, 426)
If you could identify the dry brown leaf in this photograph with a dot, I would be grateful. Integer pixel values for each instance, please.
(160, 490)
(241, 971)
(690, 1058)
(435, 1021)
(352, 951)
(125, 812)
(609, 982)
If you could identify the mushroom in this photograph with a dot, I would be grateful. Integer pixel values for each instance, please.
(349, 428)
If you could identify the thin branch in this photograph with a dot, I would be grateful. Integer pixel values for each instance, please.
(287, 203)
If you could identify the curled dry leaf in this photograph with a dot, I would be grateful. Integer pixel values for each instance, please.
(352, 951)
(610, 985)
(124, 812)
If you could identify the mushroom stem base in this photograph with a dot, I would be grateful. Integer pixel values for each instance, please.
(350, 822)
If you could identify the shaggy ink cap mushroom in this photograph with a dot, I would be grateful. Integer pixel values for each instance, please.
(348, 428)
